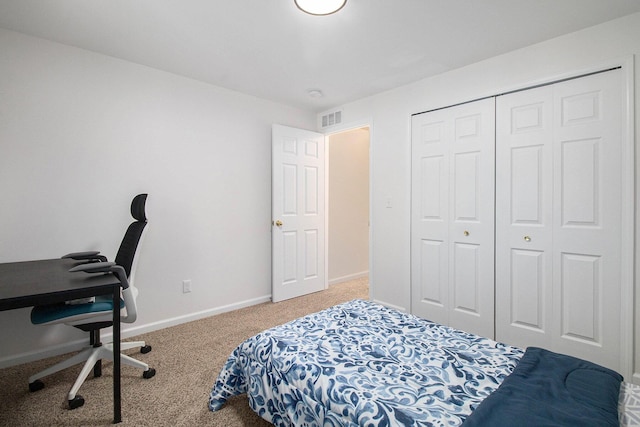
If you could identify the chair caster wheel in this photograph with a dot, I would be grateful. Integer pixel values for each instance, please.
(76, 402)
(36, 385)
(146, 349)
(148, 373)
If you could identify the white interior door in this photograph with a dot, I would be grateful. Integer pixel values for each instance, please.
(559, 223)
(298, 212)
(452, 216)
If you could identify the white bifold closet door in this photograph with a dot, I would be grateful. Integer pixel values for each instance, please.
(452, 216)
(559, 172)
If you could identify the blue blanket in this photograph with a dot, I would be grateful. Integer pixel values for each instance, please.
(551, 389)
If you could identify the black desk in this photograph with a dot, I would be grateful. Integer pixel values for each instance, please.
(29, 283)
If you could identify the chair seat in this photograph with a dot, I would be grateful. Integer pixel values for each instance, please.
(52, 313)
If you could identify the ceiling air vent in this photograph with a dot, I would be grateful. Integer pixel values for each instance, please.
(332, 119)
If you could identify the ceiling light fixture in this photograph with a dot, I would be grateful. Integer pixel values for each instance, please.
(320, 7)
(315, 93)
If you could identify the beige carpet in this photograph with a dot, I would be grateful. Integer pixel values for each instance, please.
(188, 359)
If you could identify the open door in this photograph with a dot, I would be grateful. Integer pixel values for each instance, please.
(298, 213)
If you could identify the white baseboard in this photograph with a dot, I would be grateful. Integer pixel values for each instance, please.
(348, 277)
(129, 332)
(166, 323)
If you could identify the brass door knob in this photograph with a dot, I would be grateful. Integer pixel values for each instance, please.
(466, 233)
(278, 223)
(527, 238)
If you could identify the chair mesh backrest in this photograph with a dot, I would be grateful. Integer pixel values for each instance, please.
(127, 252)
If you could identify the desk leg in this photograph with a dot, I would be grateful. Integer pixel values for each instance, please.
(117, 411)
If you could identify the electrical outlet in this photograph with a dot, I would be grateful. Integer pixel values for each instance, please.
(186, 286)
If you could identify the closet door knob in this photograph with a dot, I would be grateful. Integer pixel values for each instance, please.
(278, 223)
(466, 233)
(527, 238)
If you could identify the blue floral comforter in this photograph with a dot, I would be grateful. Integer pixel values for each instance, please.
(363, 364)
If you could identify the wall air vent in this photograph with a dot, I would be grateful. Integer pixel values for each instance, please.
(332, 119)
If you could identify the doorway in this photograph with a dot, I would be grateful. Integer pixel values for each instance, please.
(348, 205)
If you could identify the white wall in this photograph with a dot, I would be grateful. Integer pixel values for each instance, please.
(348, 170)
(82, 133)
(390, 114)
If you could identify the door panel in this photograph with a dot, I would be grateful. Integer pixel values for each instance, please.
(582, 292)
(558, 221)
(311, 254)
(587, 217)
(452, 225)
(466, 166)
(289, 256)
(466, 282)
(298, 265)
(431, 173)
(433, 254)
(524, 185)
(430, 217)
(580, 170)
(527, 291)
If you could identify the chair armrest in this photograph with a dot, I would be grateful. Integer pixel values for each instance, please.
(94, 267)
(104, 267)
(86, 255)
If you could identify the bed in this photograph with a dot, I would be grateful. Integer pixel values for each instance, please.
(363, 364)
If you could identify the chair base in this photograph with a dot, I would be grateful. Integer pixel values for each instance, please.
(91, 356)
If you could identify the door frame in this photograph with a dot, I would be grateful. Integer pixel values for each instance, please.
(341, 128)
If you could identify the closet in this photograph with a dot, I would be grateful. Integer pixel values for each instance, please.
(519, 236)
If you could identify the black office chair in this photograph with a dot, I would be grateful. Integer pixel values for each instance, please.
(91, 315)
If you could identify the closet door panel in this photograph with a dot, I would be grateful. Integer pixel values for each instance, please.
(526, 185)
(466, 180)
(433, 274)
(527, 305)
(580, 169)
(433, 189)
(430, 218)
(471, 229)
(453, 170)
(582, 292)
(587, 217)
(433, 250)
(523, 217)
(466, 283)
(466, 249)
(558, 218)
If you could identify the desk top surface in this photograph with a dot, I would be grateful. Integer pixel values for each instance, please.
(28, 283)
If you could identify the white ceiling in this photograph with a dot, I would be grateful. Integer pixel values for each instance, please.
(270, 49)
